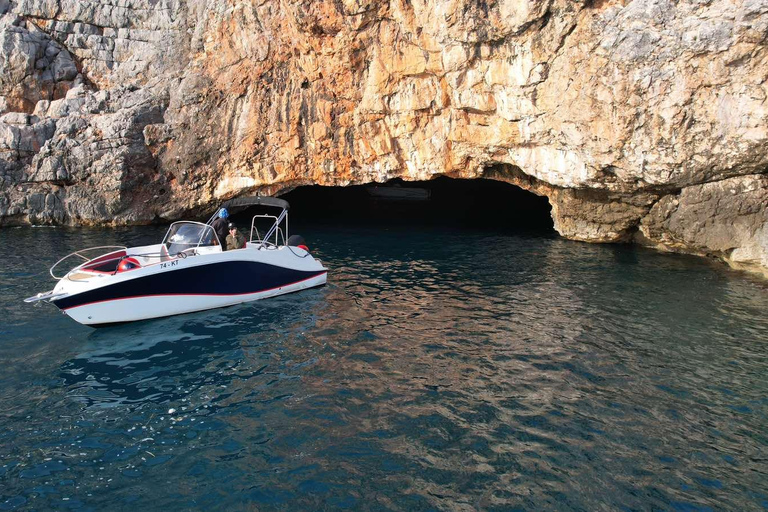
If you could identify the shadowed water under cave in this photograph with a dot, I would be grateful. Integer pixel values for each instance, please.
(456, 360)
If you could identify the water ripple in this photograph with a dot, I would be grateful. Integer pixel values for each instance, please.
(447, 370)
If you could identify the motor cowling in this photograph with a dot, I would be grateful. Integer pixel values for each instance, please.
(128, 264)
(295, 240)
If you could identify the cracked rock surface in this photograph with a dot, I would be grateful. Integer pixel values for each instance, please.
(640, 120)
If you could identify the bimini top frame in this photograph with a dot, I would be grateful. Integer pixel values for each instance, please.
(241, 203)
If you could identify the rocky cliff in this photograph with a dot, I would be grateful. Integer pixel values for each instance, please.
(642, 121)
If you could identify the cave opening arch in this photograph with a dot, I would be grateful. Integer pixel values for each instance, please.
(443, 201)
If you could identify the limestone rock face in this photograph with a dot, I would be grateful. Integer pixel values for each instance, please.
(726, 218)
(640, 120)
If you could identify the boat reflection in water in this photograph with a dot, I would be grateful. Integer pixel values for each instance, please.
(165, 360)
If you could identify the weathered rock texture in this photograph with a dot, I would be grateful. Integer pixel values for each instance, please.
(642, 121)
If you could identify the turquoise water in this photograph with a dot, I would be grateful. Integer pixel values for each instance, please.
(440, 369)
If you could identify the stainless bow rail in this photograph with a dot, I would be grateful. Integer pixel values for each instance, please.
(81, 255)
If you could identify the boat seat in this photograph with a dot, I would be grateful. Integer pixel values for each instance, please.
(79, 276)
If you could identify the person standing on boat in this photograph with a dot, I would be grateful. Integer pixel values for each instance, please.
(235, 240)
(220, 226)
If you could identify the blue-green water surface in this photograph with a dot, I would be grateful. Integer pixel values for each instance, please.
(439, 369)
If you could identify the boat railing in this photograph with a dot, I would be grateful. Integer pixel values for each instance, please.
(149, 259)
(82, 255)
(275, 230)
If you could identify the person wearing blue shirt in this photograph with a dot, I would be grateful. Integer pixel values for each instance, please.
(221, 227)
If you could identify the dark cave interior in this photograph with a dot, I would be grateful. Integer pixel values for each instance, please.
(441, 201)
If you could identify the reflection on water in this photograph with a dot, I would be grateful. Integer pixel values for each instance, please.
(455, 370)
(133, 365)
(162, 361)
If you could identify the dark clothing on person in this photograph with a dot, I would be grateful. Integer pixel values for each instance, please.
(235, 242)
(221, 227)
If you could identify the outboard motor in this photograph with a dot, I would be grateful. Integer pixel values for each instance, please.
(297, 241)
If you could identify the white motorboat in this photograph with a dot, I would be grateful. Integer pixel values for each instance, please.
(187, 272)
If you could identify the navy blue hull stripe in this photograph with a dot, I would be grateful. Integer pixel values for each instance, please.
(226, 278)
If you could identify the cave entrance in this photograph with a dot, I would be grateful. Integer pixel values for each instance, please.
(442, 201)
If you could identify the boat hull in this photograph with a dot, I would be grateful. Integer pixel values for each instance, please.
(131, 309)
(188, 285)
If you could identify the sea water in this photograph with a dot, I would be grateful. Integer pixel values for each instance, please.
(440, 369)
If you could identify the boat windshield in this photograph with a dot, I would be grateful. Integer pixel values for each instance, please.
(187, 235)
